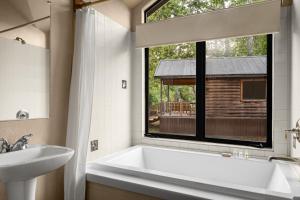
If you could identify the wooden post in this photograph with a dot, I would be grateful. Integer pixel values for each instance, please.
(168, 93)
(170, 107)
(180, 108)
(161, 106)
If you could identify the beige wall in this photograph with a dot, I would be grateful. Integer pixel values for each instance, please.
(137, 14)
(53, 130)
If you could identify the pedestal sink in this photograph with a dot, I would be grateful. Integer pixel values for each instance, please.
(19, 169)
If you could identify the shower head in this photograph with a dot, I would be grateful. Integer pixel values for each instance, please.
(20, 40)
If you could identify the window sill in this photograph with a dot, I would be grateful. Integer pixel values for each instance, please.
(206, 146)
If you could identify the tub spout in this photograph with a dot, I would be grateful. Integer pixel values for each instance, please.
(287, 159)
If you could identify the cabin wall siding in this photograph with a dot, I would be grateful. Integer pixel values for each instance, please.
(227, 116)
(223, 100)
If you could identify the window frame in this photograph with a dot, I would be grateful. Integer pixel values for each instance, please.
(200, 95)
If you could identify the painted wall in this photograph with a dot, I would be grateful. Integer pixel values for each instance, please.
(295, 70)
(53, 130)
(111, 115)
(137, 15)
(281, 97)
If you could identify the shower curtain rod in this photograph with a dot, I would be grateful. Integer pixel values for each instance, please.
(80, 3)
(25, 24)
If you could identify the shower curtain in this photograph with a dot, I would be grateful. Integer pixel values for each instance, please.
(81, 100)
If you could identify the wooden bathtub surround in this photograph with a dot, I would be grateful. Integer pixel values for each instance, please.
(95, 191)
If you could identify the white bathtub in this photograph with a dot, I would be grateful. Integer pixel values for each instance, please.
(177, 174)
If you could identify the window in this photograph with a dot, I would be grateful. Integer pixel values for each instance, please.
(253, 90)
(172, 90)
(216, 91)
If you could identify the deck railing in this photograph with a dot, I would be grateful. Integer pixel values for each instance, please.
(177, 108)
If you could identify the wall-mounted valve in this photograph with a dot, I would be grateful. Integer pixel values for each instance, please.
(295, 130)
(22, 114)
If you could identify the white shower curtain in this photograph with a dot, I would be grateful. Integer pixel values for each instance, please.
(80, 103)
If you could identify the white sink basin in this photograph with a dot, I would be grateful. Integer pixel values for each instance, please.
(19, 169)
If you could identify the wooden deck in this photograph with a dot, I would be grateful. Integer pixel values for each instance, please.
(179, 119)
(178, 124)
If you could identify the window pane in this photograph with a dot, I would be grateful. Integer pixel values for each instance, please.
(230, 62)
(178, 8)
(172, 87)
(254, 90)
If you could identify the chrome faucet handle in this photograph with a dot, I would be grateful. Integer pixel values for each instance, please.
(5, 146)
(21, 143)
(298, 124)
(26, 136)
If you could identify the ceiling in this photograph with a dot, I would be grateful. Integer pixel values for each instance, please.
(129, 3)
(33, 10)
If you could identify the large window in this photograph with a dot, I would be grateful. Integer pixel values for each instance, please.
(215, 91)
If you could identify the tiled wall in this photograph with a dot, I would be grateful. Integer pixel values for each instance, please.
(281, 101)
(110, 123)
(295, 69)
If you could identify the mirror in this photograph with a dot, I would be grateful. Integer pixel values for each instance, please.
(24, 59)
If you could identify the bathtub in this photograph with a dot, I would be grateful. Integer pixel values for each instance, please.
(179, 174)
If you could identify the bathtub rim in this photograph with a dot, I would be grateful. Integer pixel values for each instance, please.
(245, 190)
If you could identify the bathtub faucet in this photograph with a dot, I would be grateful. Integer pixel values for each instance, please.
(295, 130)
(288, 159)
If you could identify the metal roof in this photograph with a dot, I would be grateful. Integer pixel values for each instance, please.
(219, 66)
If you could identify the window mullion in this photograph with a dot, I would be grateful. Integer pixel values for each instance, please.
(269, 89)
(200, 88)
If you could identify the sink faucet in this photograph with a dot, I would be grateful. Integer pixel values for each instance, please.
(20, 144)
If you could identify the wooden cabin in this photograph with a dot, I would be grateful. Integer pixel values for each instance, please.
(236, 91)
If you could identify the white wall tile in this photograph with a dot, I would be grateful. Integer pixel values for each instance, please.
(111, 118)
